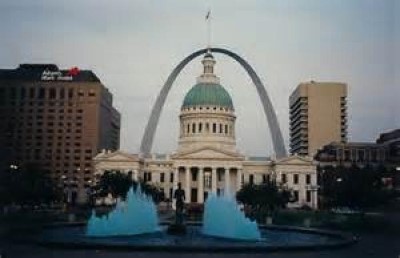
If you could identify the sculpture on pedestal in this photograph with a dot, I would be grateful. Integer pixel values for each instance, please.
(178, 227)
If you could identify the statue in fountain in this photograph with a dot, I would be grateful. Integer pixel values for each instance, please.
(179, 196)
(178, 228)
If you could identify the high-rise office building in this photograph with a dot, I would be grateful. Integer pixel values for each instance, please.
(58, 120)
(318, 116)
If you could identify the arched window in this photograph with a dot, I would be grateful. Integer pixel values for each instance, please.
(193, 128)
(214, 127)
(200, 127)
(220, 128)
(226, 129)
(188, 128)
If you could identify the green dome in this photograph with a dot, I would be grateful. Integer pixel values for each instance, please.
(207, 94)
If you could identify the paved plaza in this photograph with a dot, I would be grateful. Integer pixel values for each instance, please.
(370, 245)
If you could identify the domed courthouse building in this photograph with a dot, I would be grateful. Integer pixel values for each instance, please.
(207, 160)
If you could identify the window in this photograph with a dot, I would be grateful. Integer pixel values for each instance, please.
(296, 196)
(162, 177)
(147, 177)
(207, 127)
(220, 128)
(219, 175)
(251, 179)
(200, 127)
(13, 93)
(266, 178)
(193, 128)
(308, 179)
(52, 93)
(214, 128)
(194, 176)
(32, 93)
(188, 128)
(41, 93)
(207, 179)
(171, 177)
(70, 93)
(226, 129)
(295, 179)
(308, 196)
(62, 93)
(283, 178)
(23, 93)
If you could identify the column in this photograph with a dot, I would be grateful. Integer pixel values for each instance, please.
(239, 179)
(135, 175)
(176, 179)
(214, 180)
(227, 181)
(200, 189)
(174, 187)
(188, 188)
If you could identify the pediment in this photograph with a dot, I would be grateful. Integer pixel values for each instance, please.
(208, 153)
(295, 160)
(117, 156)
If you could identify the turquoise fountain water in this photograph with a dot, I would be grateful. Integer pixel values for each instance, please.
(137, 215)
(223, 218)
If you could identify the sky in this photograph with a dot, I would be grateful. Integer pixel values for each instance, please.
(133, 45)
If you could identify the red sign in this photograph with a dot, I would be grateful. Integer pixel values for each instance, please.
(73, 71)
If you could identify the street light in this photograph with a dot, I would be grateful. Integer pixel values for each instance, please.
(13, 167)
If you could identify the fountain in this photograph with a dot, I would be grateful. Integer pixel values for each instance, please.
(137, 215)
(133, 225)
(223, 218)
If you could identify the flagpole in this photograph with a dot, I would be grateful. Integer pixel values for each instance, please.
(208, 18)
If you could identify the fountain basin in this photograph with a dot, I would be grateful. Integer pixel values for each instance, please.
(273, 238)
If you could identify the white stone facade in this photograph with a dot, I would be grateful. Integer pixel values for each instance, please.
(296, 173)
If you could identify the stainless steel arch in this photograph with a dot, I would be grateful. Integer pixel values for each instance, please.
(276, 134)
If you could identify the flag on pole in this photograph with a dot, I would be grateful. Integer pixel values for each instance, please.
(208, 14)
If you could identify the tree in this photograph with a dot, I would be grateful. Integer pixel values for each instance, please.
(115, 183)
(264, 198)
(353, 187)
(28, 185)
(118, 184)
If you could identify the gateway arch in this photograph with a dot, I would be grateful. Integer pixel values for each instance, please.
(151, 127)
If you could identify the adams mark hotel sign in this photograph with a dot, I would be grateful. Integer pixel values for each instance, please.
(48, 75)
